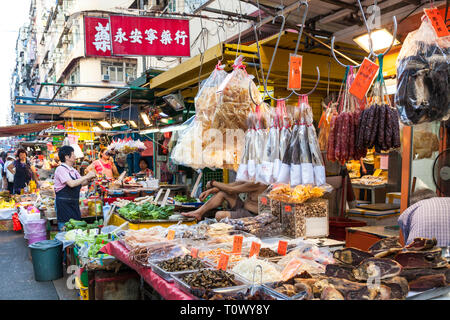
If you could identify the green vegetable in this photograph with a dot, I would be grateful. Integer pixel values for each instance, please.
(184, 199)
(147, 211)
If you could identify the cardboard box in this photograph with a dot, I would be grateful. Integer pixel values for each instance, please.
(308, 219)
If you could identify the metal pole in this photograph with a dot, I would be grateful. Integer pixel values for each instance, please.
(92, 86)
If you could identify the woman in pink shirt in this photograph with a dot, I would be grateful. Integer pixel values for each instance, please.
(104, 165)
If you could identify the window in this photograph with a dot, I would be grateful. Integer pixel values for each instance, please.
(118, 71)
(74, 77)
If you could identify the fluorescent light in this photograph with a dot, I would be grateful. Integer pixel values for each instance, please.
(149, 131)
(105, 124)
(381, 39)
(173, 128)
(166, 121)
(162, 114)
(118, 124)
(96, 129)
(133, 124)
(144, 117)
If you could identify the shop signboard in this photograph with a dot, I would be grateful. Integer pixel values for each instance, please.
(121, 35)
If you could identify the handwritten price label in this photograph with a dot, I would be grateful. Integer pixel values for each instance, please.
(364, 78)
(171, 235)
(282, 247)
(223, 262)
(237, 244)
(288, 208)
(295, 72)
(254, 249)
(264, 200)
(437, 21)
(194, 252)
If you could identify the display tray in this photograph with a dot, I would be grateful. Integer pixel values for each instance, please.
(198, 292)
(247, 290)
(168, 276)
(272, 285)
(380, 206)
(156, 220)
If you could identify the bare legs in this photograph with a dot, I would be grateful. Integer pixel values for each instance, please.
(212, 203)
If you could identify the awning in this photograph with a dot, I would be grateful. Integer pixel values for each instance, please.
(22, 129)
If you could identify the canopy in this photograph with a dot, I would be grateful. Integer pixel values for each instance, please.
(18, 130)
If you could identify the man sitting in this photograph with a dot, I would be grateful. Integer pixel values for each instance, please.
(230, 193)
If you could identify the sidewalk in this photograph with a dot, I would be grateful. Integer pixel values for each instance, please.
(16, 273)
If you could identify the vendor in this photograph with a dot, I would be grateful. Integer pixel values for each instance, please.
(23, 171)
(143, 165)
(68, 183)
(230, 193)
(428, 216)
(104, 165)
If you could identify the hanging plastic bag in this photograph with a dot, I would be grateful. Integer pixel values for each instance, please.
(243, 171)
(271, 151)
(235, 102)
(423, 79)
(261, 136)
(285, 137)
(305, 153)
(295, 161)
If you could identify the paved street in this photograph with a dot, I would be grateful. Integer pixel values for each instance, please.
(16, 273)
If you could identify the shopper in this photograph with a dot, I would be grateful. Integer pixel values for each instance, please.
(427, 218)
(104, 165)
(9, 175)
(23, 172)
(230, 193)
(143, 165)
(68, 183)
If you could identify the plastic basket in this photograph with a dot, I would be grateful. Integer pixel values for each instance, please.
(84, 291)
(208, 175)
(338, 225)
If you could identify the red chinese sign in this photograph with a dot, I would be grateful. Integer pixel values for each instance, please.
(364, 78)
(97, 38)
(143, 36)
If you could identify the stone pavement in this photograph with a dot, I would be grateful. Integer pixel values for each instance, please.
(17, 277)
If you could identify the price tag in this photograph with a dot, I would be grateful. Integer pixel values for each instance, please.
(264, 200)
(377, 172)
(288, 208)
(282, 247)
(194, 252)
(437, 21)
(295, 72)
(171, 235)
(223, 262)
(237, 244)
(254, 249)
(364, 78)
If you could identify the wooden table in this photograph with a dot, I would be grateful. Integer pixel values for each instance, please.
(364, 237)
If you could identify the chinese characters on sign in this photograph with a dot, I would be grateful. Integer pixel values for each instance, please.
(437, 22)
(128, 35)
(364, 78)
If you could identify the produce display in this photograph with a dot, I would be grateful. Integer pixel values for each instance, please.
(139, 238)
(146, 211)
(126, 146)
(262, 225)
(246, 268)
(423, 75)
(182, 264)
(155, 251)
(369, 180)
(299, 194)
(82, 225)
(7, 204)
(268, 253)
(210, 279)
(184, 199)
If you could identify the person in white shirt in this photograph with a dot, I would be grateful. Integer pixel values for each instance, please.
(9, 174)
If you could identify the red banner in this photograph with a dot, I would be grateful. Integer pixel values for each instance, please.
(137, 36)
(97, 37)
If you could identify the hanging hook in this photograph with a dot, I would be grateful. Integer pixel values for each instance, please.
(260, 64)
(273, 58)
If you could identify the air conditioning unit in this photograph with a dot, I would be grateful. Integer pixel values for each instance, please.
(130, 79)
(105, 77)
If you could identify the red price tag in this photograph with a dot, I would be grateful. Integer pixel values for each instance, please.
(295, 72)
(194, 252)
(364, 78)
(171, 235)
(282, 247)
(264, 200)
(254, 249)
(288, 208)
(223, 262)
(237, 244)
(437, 21)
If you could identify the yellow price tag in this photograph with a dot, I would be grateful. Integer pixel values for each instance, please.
(377, 172)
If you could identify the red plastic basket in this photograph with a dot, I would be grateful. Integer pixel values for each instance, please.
(338, 225)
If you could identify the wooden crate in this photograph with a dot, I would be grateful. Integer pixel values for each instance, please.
(309, 219)
(6, 225)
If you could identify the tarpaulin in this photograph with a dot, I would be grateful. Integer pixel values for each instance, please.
(22, 129)
(167, 290)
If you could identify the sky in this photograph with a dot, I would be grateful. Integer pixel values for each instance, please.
(13, 16)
